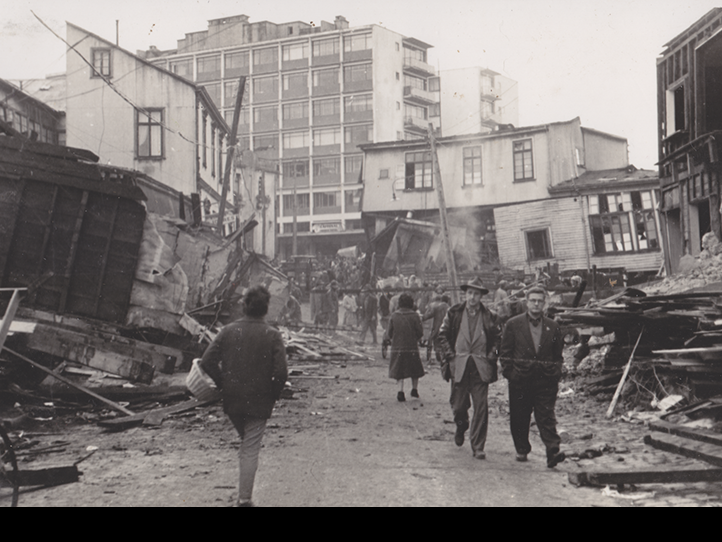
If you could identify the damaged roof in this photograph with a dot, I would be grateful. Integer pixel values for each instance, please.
(607, 179)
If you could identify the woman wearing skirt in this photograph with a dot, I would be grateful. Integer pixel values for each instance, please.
(404, 332)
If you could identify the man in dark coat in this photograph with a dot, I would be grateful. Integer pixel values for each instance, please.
(247, 361)
(468, 339)
(531, 360)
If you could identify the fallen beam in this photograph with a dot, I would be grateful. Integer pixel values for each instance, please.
(709, 453)
(113, 405)
(54, 476)
(701, 435)
(156, 416)
(670, 476)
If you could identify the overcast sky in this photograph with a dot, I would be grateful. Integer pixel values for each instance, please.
(593, 59)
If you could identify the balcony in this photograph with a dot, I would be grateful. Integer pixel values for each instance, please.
(413, 124)
(418, 67)
(419, 97)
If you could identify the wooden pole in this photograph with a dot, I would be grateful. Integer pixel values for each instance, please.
(72, 384)
(9, 315)
(436, 179)
(617, 393)
(231, 153)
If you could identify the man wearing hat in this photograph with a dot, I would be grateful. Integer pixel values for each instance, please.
(531, 360)
(468, 341)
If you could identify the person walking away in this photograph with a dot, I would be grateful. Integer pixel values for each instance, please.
(368, 314)
(385, 307)
(436, 312)
(531, 360)
(247, 361)
(469, 344)
(404, 333)
(330, 306)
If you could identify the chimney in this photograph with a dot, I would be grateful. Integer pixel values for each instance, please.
(341, 22)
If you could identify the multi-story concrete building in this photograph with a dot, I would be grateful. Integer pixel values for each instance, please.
(138, 116)
(479, 173)
(689, 104)
(477, 100)
(314, 94)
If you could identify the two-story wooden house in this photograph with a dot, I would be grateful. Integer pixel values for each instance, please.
(480, 173)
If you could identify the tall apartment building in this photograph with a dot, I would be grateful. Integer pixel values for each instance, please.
(313, 95)
(477, 100)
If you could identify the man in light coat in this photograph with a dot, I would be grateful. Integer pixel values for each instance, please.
(468, 339)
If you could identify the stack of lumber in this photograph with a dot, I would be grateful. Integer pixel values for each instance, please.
(302, 346)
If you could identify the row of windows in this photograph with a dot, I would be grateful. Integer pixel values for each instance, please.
(419, 165)
(300, 110)
(27, 126)
(299, 169)
(305, 227)
(623, 222)
(353, 135)
(322, 201)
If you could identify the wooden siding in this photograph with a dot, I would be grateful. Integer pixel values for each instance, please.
(88, 240)
(569, 235)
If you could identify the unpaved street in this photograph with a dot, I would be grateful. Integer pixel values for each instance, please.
(344, 442)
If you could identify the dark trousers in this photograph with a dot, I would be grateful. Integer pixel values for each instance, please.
(368, 325)
(538, 396)
(470, 390)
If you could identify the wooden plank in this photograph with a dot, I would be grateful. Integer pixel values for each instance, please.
(709, 453)
(7, 320)
(65, 279)
(663, 476)
(610, 411)
(104, 259)
(120, 424)
(111, 404)
(49, 477)
(702, 435)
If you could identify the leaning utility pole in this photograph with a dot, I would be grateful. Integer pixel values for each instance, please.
(231, 152)
(436, 178)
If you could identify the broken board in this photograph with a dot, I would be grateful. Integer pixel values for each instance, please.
(657, 476)
(151, 417)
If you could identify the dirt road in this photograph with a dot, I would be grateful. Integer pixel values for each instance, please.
(344, 442)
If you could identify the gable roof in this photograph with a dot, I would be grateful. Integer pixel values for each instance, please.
(200, 91)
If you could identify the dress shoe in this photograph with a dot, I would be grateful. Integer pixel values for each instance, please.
(459, 436)
(401, 397)
(246, 504)
(479, 455)
(522, 458)
(415, 393)
(554, 459)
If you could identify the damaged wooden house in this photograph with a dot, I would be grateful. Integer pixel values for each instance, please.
(108, 280)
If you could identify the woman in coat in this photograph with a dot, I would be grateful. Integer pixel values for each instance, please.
(404, 332)
(247, 361)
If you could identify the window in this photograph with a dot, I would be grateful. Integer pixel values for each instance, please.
(327, 166)
(353, 200)
(296, 140)
(265, 142)
(296, 51)
(301, 227)
(537, 245)
(149, 133)
(245, 118)
(523, 161)
(579, 154)
(294, 170)
(295, 81)
(414, 54)
(354, 225)
(415, 82)
(357, 72)
(352, 167)
(101, 63)
(358, 42)
(435, 110)
(384, 174)
(295, 111)
(325, 78)
(265, 56)
(358, 104)
(214, 91)
(623, 222)
(325, 199)
(265, 115)
(209, 68)
(472, 166)
(326, 47)
(302, 204)
(236, 61)
(326, 108)
(356, 135)
(184, 68)
(415, 112)
(434, 84)
(418, 170)
(331, 136)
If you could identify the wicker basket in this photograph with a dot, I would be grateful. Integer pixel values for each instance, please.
(200, 384)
